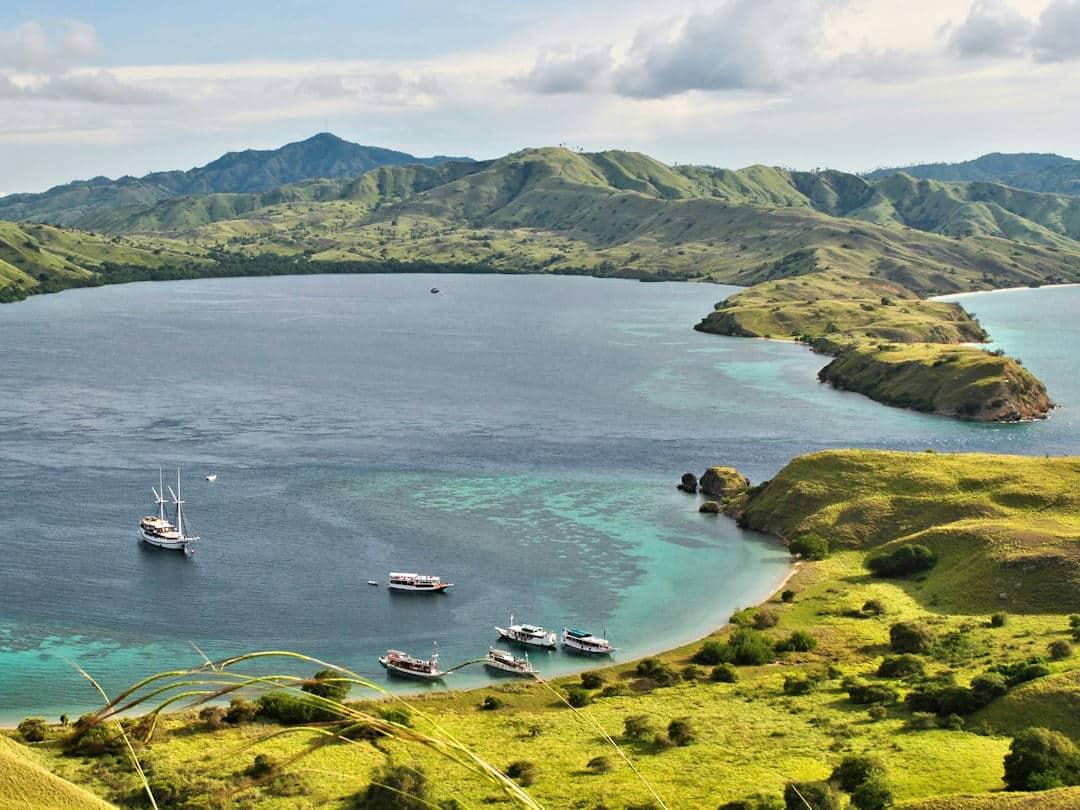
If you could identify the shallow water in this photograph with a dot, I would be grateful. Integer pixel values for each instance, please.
(520, 436)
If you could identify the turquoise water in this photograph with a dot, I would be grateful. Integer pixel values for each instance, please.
(520, 436)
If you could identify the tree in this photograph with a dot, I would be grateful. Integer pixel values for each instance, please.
(810, 547)
(681, 732)
(873, 794)
(818, 795)
(33, 729)
(395, 787)
(1039, 759)
(329, 684)
(855, 769)
(637, 726)
(724, 673)
(907, 559)
(910, 637)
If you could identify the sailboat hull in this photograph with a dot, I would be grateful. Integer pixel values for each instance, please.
(162, 542)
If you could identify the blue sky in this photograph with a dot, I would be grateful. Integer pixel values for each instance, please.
(125, 88)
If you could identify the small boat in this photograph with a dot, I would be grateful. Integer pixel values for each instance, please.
(434, 290)
(529, 634)
(373, 582)
(212, 477)
(419, 583)
(158, 530)
(506, 662)
(399, 663)
(583, 642)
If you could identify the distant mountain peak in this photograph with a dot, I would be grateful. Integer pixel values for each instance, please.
(1031, 171)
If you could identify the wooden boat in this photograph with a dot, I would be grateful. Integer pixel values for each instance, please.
(584, 642)
(158, 530)
(506, 662)
(399, 663)
(528, 634)
(417, 583)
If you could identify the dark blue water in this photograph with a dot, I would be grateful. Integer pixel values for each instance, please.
(520, 436)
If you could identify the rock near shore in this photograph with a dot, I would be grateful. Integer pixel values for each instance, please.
(723, 482)
(689, 483)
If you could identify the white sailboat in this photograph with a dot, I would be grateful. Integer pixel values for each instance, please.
(157, 530)
(531, 635)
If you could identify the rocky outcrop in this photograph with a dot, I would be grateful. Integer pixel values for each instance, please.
(689, 483)
(710, 507)
(723, 482)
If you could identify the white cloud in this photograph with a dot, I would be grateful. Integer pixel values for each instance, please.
(29, 47)
(991, 29)
(1058, 36)
(566, 70)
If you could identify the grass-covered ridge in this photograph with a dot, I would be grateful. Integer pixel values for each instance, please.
(834, 688)
(26, 783)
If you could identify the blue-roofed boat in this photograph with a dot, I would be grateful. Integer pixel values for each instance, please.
(584, 642)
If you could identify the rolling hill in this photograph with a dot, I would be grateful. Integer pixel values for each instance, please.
(1025, 170)
(324, 155)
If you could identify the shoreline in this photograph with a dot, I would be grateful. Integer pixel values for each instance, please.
(1001, 290)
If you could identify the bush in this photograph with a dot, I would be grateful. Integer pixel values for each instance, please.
(877, 712)
(942, 699)
(288, 709)
(328, 684)
(1040, 758)
(601, 764)
(874, 607)
(490, 703)
(578, 697)
(263, 766)
(750, 648)
(863, 694)
(241, 711)
(910, 637)
(787, 596)
(725, 673)
(988, 687)
(213, 716)
(901, 666)
(33, 729)
(909, 558)
(760, 801)
(815, 795)
(1019, 672)
(637, 726)
(799, 641)
(614, 690)
(922, 721)
(691, 673)
(658, 671)
(951, 722)
(395, 787)
(873, 794)
(764, 619)
(591, 680)
(855, 769)
(999, 620)
(799, 685)
(93, 740)
(681, 732)
(523, 771)
(1060, 650)
(711, 652)
(810, 547)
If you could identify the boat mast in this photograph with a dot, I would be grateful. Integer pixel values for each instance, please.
(179, 507)
(161, 494)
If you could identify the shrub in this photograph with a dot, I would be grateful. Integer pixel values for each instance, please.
(1040, 758)
(863, 694)
(711, 652)
(901, 666)
(799, 641)
(395, 787)
(999, 619)
(922, 721)
(810, 547)
(910, 637)
(658, 671)
(787, 596)
(815, 795)
(873, 794)
(637, 726)
(988, 687)
(33, 729)
(241, 710)
(750, 648)
(1019, 672)
(855, 769)
(725, 673)
(951, 722)
(1074, 621)
(592, 680)
(289, 710)
(1060, 650)
(614, 690)
(213, 716)
(490, 703)
(691, 673)
(263, 766)
(523, 771)
(764, 619)
(909, 558)
(877, 712)
(874, 607)
(578, 697)
(681, 732)
(760, 801)
(92, 741)
(600, 764)
(328, 684)
(799, 685)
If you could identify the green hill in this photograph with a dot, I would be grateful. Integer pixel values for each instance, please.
(81, 203)
(1031, 171)
(25, 783)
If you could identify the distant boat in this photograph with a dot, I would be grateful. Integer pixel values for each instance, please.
(583, 642)
(400, 663)
(506, 662)
(211, 477)
(434, 290)
(158, 530)
(529, 634)
(373, 582)
(419, 583)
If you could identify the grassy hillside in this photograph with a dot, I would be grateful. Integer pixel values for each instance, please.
(1007, 527)
(1035, 172)
(991, 519)
(26, 783)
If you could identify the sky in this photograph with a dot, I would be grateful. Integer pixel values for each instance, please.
(113, 88)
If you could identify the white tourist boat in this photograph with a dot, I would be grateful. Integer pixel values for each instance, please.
(584, 642)
(400, 663)
(212, 477)
(529, 634)
(506, 662)
(158, 530)
(419, 583)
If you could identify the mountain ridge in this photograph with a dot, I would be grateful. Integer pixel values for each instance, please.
(1031, 171)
